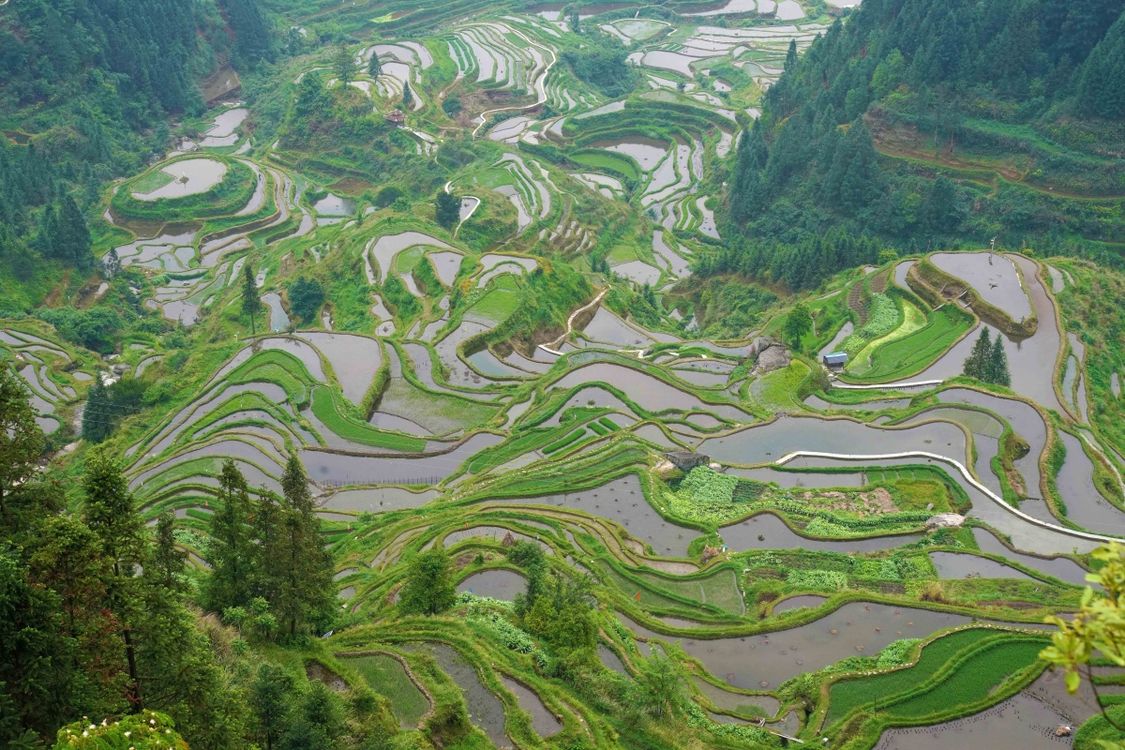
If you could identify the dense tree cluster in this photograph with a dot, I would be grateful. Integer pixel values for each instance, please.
(268, 549)
(601, 62)
(809, 165)
(988, 361)
(98, 618)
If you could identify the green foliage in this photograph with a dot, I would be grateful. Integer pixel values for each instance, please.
(988, 361)
(447, 209)
(429, 588)
(148, 730)
(601, 62)
(306, 296)
(797, 323)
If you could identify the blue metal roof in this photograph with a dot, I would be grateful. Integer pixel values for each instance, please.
(836, 358)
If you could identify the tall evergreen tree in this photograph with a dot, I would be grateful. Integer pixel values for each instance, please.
(407, 96)
(977, 362)
(21, 440)
(111, 514)
(344, 63)
(996, 367)
(374, 68)
(251, 301)
(96, 422)
(230, 551)
(307, 594)
(268, 567)
(165, 567)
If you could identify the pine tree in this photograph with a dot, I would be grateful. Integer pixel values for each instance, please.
(345, 65)
(231, 550)
(791, 56)
(111, 514)
(268, 569)
(96, 414)
(374, 68)
(977, 361)
(996, 368)
(407, 95)
(166, 566)
(73, 242)
(21, 440)
(307, 594)
(251, 302)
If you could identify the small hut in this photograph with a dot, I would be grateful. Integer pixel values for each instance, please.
(836, 359)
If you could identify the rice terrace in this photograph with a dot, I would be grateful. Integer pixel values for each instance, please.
(482, 374)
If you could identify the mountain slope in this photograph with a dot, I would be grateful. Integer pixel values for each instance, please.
(923, 124)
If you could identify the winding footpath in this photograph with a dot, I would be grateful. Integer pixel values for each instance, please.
(552, 347)
(540, 86)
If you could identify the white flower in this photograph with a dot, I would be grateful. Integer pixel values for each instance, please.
(128, 735)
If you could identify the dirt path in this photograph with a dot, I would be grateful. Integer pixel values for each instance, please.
(540, 86)
(551, 348)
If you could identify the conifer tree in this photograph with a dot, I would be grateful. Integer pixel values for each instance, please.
(977, 361)
(306, 594)
(251, 302)
(407, 95)
(267, 560)
(374, 68)
(95, 415)
(111, 514)
(166, 566)
(21, 440)
(345, 65)
(230, 552)
(996, 369)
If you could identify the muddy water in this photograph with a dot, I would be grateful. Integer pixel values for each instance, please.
(1027, 720)
(648, 392)
(334, 205)
(646, 152)
(378, 499)
(354, 359)
(623, 501)
(993, 276)
(1023, 419)
(610, 659)
(189, 177)
(279, 319)
(446, 264)
(338, 468)
(497, 584)
(1030, 361)
(770, 442)
(799, 602)
(729, 701)
(767, 531)
(543, 721)
(1084, 504)
(764, 661)
(956, 565)
(1061, 568)
(485, 709)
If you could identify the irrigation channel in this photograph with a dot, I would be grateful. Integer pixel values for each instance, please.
(503, 379)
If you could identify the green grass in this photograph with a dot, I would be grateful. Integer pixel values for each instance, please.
(387, 677)
(847, 695)
(607, 161)
(903, 357)
(330, 409)
(501, 300)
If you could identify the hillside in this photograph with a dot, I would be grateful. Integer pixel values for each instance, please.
(422, 398)
(924, 125)
(86, 92)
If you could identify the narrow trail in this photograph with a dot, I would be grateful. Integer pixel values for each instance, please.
(473, 210)
(551, 348)
(540, 86)
(964, 473)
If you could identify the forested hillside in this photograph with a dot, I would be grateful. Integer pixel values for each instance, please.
(925, 124)
(86, 89)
